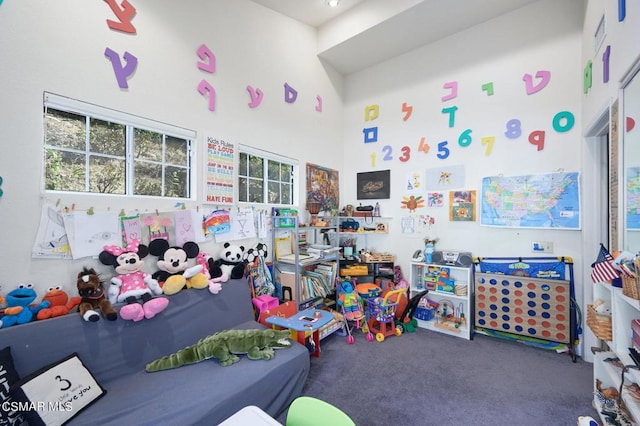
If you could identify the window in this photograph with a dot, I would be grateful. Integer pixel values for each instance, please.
(92, 149)
(267, 178)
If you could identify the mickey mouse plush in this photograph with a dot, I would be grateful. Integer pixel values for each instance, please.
(132, 283)
(230, 265)
(174, 271)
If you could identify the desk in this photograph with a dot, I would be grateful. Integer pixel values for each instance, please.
(250, 415)
(309, 320)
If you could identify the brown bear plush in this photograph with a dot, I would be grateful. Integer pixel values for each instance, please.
(93, 297)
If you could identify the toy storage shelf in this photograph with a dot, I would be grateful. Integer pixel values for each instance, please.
(426, 276)
(624, 309)
(303, 242)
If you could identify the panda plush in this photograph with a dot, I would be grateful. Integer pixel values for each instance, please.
(231, 264)
(259, 250)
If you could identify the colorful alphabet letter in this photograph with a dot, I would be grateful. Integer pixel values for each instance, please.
(588, 77)
(453, 86)
(124, 14)
(544, 77)
(370, 134)
(605, 64)
(407, 110)
(207, 89)
(488, 87)
(122, 72)
(371, 112)
(290, 94)
(319, 106)
(208, 59)
(256, 96)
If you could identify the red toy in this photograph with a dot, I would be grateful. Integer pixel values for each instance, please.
(61, 304)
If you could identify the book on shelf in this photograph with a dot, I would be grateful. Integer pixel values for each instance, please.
(303, 259)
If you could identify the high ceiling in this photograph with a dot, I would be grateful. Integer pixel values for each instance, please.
(363, 33)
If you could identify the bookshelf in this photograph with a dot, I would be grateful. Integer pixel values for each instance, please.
(306, 260)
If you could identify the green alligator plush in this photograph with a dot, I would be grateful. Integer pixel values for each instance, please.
(224, 345)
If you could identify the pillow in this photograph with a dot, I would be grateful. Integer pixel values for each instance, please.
(56, 393)
(8, 376)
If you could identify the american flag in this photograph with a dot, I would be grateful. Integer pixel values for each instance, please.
(603, 270)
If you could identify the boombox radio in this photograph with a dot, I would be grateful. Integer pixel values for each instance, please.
(452, 258)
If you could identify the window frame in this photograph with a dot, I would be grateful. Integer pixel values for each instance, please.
(131, 123)
(266, 156)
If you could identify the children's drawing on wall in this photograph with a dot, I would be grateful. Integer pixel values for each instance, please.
(414, 183)
(445, 177)
(187, 226)
(51, 240)
(242, 226)
(462, 206)
(90, 231)
(323, 187)
(435, 199)
(408, 225)
(156, 225)
(374, 185)
(216, 222)
(412, 202)
(131, 230)
(633, 198)
(425, 222)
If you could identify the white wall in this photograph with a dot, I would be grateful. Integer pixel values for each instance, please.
(545, 35)
(59, 47)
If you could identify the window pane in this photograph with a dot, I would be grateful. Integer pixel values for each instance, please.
(175, 182)
(147, 145)
(176, 151)
(256, 191)
(286, 172)
(242, 189)
(65, 171)
(148, 178)
(106, 175)
(256, 167)
(107, 137)
(274, 170)
(243, 165)
(65, 130)
(274, 192)
(285, 194)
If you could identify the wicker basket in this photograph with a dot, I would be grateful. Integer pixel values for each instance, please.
(599, 324)
(630, 287)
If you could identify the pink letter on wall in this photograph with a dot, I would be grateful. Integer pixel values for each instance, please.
(205, 88)
(125, 15)
(544, 76)
(208, 62)
(319, 105)
(453, 86)
(290, 94)
(256, 96)
(122, 72)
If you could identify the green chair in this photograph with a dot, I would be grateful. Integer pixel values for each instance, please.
(308, 411)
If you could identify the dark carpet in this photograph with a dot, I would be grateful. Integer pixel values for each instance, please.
(428, 378)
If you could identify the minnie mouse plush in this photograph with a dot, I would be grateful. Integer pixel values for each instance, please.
(132, 283)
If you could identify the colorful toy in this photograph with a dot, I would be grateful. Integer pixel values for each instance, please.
(173, 262)
(19, 309)
(132, 284)
(382, 312)
(224, 346)
(202, 259)
(92, 297)
(230, 265)
(429, 248)
(350, 302)
(60, 303)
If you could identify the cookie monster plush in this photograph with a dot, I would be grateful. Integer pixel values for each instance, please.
(19, 309)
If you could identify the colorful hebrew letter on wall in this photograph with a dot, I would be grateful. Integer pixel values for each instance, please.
(488, 87)
(544, 77)
(256, 96)
(208, 59)
(207, 89)
(588, 77)
(319, 105)
(122, 72)
(290, 94)
(124, 14)
(453, 86)
(371, 112)
(605, 64)
(370, 134)
(407, 111)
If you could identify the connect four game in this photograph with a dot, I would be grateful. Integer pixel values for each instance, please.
(527, 300)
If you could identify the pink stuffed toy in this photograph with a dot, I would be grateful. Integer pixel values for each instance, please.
(133, 284)
(215, 285)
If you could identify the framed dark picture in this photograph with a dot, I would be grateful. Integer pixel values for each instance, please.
(374, 185)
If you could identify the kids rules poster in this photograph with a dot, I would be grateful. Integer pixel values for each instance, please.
(220, 171)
